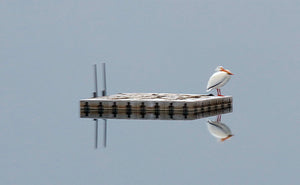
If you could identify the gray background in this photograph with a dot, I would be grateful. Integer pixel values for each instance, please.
(47, 49)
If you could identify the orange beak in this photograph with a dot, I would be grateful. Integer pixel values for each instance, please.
(223, 139)
(222, 69)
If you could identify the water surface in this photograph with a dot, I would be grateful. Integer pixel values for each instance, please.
(47, 53)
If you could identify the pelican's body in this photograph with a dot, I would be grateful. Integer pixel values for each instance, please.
(218, 79)
(219, 130)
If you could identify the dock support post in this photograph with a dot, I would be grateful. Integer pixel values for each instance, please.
(96, 133)
(104, 80)
(105, 133)
(95, 94)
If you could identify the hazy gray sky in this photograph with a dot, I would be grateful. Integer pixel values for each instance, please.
(47, 49)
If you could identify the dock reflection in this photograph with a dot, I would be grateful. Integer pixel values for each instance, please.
(153, 115)
(216, 128)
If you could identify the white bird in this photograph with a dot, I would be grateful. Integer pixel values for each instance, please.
(219, 130)
(218, 79)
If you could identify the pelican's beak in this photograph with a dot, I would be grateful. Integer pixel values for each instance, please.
(227, 71)
(224, 139)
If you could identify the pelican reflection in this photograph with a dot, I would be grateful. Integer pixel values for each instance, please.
(218, 129)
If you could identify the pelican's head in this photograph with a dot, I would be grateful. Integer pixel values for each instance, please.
(220, 68)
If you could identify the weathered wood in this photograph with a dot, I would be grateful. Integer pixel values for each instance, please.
(153, 106)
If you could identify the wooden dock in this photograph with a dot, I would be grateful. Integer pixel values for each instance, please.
(155, 106)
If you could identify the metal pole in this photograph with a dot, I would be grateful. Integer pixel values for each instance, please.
(104, 94)
(105, 133)
(104, 80)
(96, 86)
(96, 133)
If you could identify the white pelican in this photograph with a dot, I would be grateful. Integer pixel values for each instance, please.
(218, 79)
(219, 130)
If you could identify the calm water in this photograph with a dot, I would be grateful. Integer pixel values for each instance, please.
(47, 53)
